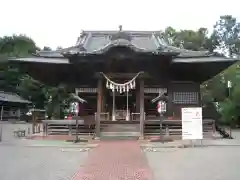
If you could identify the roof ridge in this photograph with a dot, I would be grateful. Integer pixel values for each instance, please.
(116, 31)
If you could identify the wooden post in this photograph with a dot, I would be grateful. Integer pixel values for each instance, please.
(33, 121)
(99, 108)
(127, 118)
(1, 118)
(113, 107)
(103, 101)
(199, 95)
(137, 101)
(141, 108)
(170, 112)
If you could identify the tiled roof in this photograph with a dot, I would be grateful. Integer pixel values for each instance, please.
(98, 42)
(12, 97)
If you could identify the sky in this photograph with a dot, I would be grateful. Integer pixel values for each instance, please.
(59, 22)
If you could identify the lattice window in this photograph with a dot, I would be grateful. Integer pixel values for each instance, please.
(185, 97)
(86, 90)
(155, 90)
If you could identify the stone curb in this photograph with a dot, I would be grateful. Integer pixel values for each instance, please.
(190, 146)
(163, 146)
(49, 145)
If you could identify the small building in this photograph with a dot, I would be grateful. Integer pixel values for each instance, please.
(12, 106)
(119, 72)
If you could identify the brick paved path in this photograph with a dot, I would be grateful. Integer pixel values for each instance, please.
(115, 160)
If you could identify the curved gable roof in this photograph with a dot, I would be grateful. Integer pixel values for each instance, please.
(98, 42)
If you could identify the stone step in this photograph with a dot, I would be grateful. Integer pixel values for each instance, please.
(120, 134)
(114, 138)
(121, 128)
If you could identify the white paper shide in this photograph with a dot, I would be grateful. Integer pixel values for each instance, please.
(192, 123)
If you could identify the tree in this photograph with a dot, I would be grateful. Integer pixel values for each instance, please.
(226, 38)
(189, 39)
(230, 108)
(227, 33)
(32, 90)
(13, 46)
(59, 48)
(17, 46)
(12, 80)
(46, 48)
(58, 100)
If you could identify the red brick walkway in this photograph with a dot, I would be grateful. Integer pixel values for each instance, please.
(116, 160)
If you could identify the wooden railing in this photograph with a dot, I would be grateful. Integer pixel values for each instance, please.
(67, 127)
(151, 127)
(174, 127)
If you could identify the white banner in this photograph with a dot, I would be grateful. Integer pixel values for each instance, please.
(192, 123)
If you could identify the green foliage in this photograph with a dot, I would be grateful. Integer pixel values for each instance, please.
(58, 100)
(32, 90)
(9, 77)
(189, 39)
(227, 111)
(230, 107)
(46, 48)
(17, 46)
(13, 46)
(225, 38)
(12, 80)
(227, 32)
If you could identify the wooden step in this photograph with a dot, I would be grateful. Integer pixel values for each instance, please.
(121, 128)
(114, 134)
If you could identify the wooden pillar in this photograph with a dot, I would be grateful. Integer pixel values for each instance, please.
(199, 94)
(170, 100)
(137, 101)
(141, 99)
(99, 107)
(103, 109)
(33, 121)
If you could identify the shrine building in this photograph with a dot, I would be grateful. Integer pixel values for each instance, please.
(120, 73)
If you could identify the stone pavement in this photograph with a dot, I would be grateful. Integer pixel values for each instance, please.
(115, 160)
(57, 160)
(48, 144)
(189, 144)
(27, 163)
(8, 129)
(215, 163)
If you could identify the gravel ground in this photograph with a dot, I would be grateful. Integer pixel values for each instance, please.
(215, 163)
(19, 162)
(236, 134)
(200, 163)
(24, 163)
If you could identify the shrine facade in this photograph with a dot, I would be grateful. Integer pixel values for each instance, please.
(120, 73)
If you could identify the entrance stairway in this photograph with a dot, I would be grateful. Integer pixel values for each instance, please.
(120, 131)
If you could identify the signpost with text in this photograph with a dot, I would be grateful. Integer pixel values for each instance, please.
(192, 123)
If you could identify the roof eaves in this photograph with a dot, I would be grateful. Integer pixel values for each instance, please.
(49, 60)
(12, 97)
(205, 59)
